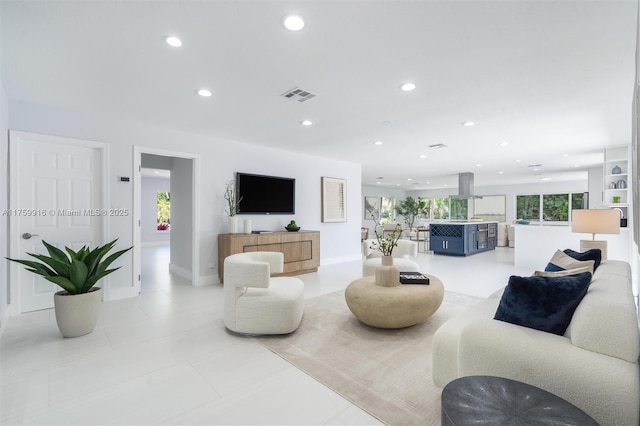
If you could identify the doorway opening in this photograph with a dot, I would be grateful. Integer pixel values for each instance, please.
(166, 219)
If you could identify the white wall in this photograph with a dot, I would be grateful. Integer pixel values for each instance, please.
(596, 188)
(182, 213)
(4, 241)
(220, 159)
(149, 188)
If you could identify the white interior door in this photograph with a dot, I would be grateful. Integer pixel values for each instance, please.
(56, 195)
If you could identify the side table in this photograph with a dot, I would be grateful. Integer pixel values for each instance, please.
(488, 400)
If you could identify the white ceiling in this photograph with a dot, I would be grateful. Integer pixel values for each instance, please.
(549, 78)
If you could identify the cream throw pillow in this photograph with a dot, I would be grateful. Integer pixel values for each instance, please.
(565, 272)
(562, 261)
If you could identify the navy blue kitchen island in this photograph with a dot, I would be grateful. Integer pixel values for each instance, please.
(463, 238)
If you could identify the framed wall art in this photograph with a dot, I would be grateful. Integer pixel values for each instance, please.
(334, 199)
(371, 208)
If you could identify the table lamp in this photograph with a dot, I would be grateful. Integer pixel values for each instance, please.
(595, 221)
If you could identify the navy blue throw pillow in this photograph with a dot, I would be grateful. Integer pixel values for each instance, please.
(592, 254)
(543, 303)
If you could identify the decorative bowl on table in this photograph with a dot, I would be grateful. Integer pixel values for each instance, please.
(292, 228)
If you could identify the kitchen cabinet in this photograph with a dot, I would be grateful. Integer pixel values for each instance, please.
(463, 239)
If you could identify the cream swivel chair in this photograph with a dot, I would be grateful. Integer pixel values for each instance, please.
(401, 257)
(256, 303)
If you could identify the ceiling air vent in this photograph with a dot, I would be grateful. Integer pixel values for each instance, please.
(437, 146)
(299, 95)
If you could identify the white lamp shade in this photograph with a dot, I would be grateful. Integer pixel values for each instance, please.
(596, 221)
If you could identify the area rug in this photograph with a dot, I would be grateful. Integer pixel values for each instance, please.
(385, 372)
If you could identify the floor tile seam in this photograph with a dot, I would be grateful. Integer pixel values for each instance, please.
(92, 397)
(9, 416)
(231, 399)
(268, 377)
(51, 363)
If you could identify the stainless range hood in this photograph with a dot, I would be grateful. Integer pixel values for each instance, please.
(465, 186)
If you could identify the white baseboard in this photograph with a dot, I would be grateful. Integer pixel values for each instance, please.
(208, 280)
(180, 271)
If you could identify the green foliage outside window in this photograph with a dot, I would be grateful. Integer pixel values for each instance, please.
(387, 210)
(528, 207)
(164, 207)
(459, 208)
(555, 207)
(441, 208)
(577, 201)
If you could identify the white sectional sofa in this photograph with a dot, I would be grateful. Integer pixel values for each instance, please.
(594, 365)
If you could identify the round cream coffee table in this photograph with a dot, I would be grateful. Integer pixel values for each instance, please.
(393, 307)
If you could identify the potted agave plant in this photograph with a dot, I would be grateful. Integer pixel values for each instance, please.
(77, 272)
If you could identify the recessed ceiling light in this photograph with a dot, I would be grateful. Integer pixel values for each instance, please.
(306, 122)
(173, 41)
(204, 92)
(377, 143)
(293, 23)
(478, 165)
(565, 155)
(517, 161)
(503, 143)
(428, 183)
(576, 165)
(445, 185)
(469, 123)
(545, 178)
(378, 182)
(423, 156)
(409, 179)
(500, 173)
(407, 87)
(156, 172)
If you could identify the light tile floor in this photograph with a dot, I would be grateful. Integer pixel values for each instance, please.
(166, 358)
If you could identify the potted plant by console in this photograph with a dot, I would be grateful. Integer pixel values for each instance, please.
(292, 226)
(77, 272)
(232, 206)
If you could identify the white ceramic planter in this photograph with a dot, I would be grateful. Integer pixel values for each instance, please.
(77, 314)
(233, 224)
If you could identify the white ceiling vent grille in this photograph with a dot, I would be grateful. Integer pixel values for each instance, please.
(437, 146)
(299, 95)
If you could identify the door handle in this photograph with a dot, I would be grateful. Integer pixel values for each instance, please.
(27, 235)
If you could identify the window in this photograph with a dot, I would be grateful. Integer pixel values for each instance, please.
(387, 212)
(427, 210)
(164, 211)
(578, 201)
(528, 207)
(555, 207)
(459, 208)
(440, 208)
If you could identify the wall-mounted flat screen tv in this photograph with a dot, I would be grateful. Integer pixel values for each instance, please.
(258, 194)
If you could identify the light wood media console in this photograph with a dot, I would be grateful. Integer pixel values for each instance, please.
(301, 249)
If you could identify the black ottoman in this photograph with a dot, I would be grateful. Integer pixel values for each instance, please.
(486, 400)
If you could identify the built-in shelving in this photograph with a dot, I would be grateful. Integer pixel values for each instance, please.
(616, 178)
